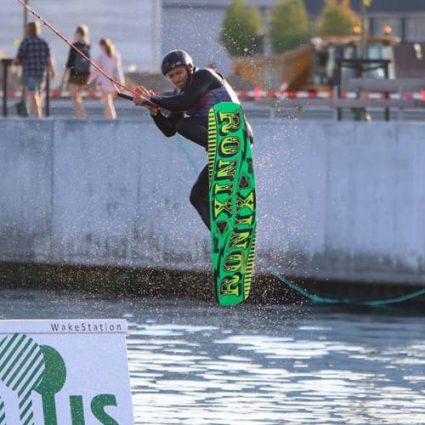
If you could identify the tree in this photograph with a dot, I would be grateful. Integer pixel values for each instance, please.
(289, 25)
(337, 19)
(242, 29)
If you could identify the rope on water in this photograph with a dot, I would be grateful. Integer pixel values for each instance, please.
(317, 299)
(186, 153)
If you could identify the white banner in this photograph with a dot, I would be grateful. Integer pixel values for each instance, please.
(64, 372)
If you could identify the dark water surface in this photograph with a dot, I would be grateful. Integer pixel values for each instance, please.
(195, 363)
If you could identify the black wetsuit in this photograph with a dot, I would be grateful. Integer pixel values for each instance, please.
(188, 116)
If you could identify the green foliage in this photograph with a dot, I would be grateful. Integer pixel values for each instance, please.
(337, 19)
(242, 29)
(289, 25)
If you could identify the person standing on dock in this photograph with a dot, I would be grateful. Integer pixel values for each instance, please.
(77, 69)
(110, 61)
(35, 58)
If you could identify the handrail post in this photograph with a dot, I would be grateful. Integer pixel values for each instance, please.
(5, 68)
(386, 73)
(338, 89)
(47, 105)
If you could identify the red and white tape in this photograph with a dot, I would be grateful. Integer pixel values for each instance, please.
(258, 94)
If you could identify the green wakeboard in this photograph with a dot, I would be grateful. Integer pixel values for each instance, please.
(232, 203)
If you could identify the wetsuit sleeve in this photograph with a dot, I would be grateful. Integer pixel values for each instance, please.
(201, 84)
(167, 125)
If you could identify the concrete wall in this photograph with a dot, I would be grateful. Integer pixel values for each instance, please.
(335, 200)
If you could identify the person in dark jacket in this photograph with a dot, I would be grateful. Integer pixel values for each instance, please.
(77, 69)
(186, 111)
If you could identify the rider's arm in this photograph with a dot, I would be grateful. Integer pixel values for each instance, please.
(202, 82)
(167, 125)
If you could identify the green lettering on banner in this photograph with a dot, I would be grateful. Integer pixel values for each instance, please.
(52, 382)
(28, 368)
(77, 410)
(97, 407)
(21, 368)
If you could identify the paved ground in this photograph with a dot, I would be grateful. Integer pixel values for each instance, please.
(63, 108)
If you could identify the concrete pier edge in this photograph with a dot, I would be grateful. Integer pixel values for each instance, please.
(338, 203)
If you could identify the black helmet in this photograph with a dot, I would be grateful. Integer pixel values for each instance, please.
(175, 58)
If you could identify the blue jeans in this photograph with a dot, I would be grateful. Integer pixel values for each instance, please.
(32, 83)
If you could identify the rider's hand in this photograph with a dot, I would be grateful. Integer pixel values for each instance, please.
(139, 100)
(142, 97)
(154, 110)
(143, 91)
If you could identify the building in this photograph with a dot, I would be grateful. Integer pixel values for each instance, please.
(195, 25)
(406, 17)
(145, 30)
(407, 21)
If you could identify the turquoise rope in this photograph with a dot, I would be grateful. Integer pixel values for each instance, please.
(316, 299)
(325, 300)
(181, 145)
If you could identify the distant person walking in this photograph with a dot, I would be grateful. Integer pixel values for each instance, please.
(77, 69)
(34, 56)
(110, 61)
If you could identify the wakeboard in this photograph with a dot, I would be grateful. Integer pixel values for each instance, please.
(232, 202)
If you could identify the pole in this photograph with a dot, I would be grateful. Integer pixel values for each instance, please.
(24, 90)
(4, 68)
(25, 19)
(155, 34)
(47, 103)
(364, 29)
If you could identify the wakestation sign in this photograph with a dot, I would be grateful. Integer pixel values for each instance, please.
(64, 372)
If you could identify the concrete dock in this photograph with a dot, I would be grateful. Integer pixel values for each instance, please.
(337, 202)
